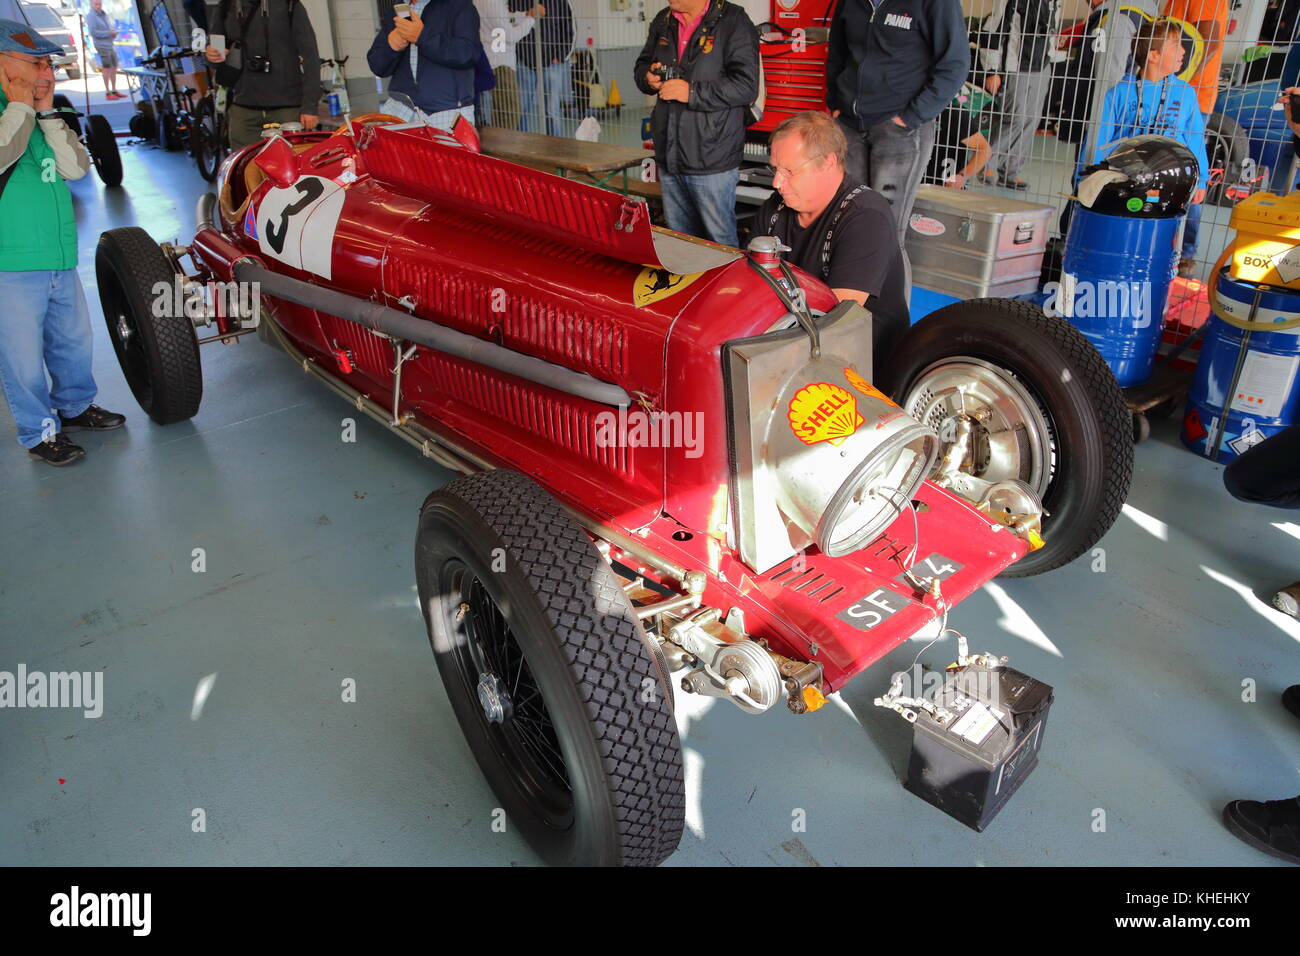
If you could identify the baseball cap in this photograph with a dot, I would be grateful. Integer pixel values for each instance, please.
(18, 37)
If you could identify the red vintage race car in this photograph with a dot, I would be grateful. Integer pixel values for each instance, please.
(677, 473)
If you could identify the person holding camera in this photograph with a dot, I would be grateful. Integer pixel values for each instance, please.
(701, 60)
(429, 48)
(268, 57)
(45, 326)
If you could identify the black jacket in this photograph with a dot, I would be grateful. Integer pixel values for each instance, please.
(706, 134)
(557, 34)
(281, 31)
(905, 58)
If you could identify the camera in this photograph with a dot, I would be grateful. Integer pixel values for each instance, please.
(668, 72)
(258, 64)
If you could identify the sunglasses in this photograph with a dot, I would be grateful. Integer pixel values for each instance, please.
(39, 61)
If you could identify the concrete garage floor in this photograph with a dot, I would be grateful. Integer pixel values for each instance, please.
(309, 581)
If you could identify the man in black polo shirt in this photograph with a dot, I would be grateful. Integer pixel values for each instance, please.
(837, 229)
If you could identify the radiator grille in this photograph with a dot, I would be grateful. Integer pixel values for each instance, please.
(554, 418)
(530, 323)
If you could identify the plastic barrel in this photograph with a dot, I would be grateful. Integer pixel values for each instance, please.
(925, 301)
(1114, 283)
(1267, 398)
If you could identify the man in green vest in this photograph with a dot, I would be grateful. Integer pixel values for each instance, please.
(44, 322)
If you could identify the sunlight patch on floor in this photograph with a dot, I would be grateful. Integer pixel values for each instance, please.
(1152, 526)
(1016, 621)
(1272, 615)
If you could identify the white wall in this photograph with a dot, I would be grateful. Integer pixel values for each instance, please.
(355, 24)
(319, 12)
(610, 24)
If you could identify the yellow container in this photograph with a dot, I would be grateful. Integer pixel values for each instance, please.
(1267, 245)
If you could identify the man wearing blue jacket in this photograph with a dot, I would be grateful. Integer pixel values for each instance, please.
(1155, 101)
(892, 67)
(430, 56)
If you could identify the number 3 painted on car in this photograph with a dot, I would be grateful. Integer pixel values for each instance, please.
(310, 190)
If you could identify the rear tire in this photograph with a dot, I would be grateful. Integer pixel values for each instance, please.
(1069, 388)
(102, 146)
(206, 144)
(159, 355)
(61, 102)
(583, 751)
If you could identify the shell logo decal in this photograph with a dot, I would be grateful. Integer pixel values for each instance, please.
(866, 388)
(823, 412)
(651, 285)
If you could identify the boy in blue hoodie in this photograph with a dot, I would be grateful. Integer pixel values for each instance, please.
(1153, 100)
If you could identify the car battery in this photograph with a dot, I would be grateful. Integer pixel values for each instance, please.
(982, 741)
(976, 245)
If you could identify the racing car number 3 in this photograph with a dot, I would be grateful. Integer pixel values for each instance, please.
(296, 224)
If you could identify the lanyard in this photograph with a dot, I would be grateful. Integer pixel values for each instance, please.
(1140, 127)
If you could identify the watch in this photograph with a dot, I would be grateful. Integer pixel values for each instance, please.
(50, 114)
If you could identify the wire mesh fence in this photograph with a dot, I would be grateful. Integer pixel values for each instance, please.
(1051, 85)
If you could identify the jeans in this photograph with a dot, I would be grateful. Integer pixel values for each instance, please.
(1014, 128)
(1268, 473)
(45, 326)
(891, 160)
(703, 206)
(1191, 229)
(556, 78)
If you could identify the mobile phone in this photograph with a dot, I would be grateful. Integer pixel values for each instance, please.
(402, 10)
(1294, 100)
(217, 42)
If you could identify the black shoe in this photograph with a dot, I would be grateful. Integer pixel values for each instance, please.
(1008, 183)
(1272, 826)
(93, 418)
(1291, 699)
(58, 451)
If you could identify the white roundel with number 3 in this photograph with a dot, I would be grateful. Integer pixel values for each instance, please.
(296, 224)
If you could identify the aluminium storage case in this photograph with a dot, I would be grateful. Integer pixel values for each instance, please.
(976, 245)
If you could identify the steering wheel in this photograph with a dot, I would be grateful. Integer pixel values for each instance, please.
(358, 121)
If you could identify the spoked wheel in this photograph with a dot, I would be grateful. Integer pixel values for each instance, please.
(206, 143)
(550, 674)
(102, 146)
(1040, 406)
(159, 354)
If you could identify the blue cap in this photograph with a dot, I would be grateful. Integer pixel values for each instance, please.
(18, 37)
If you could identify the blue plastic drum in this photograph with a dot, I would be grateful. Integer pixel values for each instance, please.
(1267, 398)
(1114, 286)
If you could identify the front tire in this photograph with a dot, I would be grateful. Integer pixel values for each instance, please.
(1074, 441)
(549, 674)
(159, 354)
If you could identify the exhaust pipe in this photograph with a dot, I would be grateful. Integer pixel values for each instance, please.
(412, 328)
